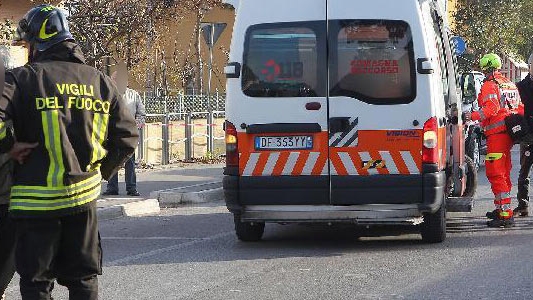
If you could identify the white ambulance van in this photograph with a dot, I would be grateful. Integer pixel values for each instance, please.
(342, 111)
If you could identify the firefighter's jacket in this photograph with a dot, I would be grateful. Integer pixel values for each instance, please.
(499, 97)
(81, 125)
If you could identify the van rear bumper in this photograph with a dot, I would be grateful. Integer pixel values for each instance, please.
(431, 190)
(374, 214)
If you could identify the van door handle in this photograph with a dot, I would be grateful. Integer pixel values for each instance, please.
(339, 124)
(313, 106)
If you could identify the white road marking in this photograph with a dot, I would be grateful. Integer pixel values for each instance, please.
(132, 258)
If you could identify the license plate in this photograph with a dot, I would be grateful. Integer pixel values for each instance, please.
(295, 142)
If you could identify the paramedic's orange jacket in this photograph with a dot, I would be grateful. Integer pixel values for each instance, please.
(497, 93)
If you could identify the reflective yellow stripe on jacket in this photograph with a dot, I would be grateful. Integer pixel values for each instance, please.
(3, 130)
(53, 198)
(52, 135)
(99, 132)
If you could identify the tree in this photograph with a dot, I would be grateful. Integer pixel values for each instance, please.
(137, 31)
(500, 26)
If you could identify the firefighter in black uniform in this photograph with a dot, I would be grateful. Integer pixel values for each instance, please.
(7, 229)
(525, 88)
(71, 129)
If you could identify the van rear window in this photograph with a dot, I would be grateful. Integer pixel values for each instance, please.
(372, 61)
(368, 60)
(282, 60)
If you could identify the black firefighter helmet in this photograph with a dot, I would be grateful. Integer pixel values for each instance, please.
(43, 27)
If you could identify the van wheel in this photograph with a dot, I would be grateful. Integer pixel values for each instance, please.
(471, 178)
(433, 229)
(248, 232)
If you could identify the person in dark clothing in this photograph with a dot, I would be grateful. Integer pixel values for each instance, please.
(71, 129)
(525, 88)
(7, 228)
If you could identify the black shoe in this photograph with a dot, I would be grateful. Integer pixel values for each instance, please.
(110, 193)
(133, 193)
(522, 209)
(497, 223)
(493, 215)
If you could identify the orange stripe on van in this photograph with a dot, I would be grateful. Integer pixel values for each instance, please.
(337, 163)
(441, 134)
(243, 160)
(263, 158)
(400, 164)
(320, 164)
(280, 164)
(300, 163)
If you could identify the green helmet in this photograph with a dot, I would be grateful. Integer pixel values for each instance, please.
(490, 61)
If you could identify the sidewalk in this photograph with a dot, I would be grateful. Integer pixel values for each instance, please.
(166, 187)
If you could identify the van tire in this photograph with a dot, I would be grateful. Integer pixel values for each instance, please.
(433, 229)
(471, 178)
(248, 232)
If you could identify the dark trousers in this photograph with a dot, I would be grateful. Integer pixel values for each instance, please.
(7, 248)
(526, 161)
(131, 178)
(64, 248)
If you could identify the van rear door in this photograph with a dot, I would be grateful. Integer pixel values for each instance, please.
(282, 113)
(375, 116)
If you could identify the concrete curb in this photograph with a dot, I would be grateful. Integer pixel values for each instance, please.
(201, 186)
(137, 208)
(173, 199)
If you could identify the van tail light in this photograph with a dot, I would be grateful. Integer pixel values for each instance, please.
(232, 151)
(430, 151)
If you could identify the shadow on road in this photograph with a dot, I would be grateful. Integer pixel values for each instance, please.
(210, 238)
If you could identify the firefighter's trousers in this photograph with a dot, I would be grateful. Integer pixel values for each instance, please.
(498, 169)
(7, 248)
(63, 248)
(526, 162)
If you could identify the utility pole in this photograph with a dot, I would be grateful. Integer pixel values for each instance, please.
(211, 32)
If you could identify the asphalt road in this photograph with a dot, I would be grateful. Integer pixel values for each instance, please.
(192, 253)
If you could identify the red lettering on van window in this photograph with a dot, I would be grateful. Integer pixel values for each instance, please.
(374, 67)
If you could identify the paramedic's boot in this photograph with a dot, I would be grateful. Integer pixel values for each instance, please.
(504, 219)
(522, 208)
(497, 223)
(493, 215)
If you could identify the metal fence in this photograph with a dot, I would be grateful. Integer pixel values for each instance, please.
(180, 127)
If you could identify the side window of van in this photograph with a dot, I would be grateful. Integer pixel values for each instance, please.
(284, 59)
(372, 61)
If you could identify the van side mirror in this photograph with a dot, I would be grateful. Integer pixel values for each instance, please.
(232, 70)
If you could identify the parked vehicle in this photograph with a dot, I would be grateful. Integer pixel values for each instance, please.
(476, 144)
(343, 113)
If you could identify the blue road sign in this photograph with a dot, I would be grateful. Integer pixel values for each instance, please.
(459, 45)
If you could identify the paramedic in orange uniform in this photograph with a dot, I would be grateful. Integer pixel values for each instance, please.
(498, 98)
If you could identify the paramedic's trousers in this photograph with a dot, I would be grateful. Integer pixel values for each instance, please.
(7, 248)
(498, 169)
(526, 161)
(63, 248)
